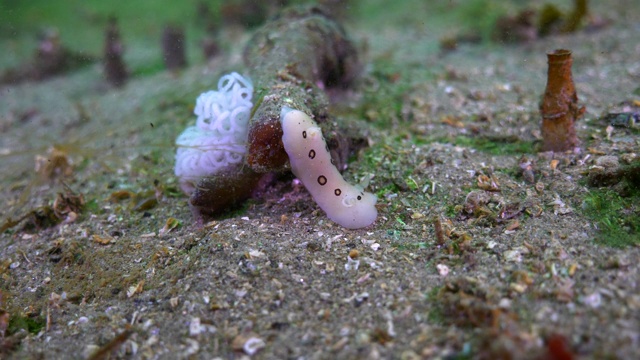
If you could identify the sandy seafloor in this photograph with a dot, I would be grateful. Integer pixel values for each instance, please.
(277, 272)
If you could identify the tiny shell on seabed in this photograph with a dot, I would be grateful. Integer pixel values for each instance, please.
(248, 343)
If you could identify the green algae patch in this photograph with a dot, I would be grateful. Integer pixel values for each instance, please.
(616, 218)
(33, 325)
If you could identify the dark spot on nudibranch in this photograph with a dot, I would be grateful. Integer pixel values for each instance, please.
(312, 154)
(322, 180)
(359, 197)
(337, 192)
(304, 134)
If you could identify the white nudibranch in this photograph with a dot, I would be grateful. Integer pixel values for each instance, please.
(311, 162)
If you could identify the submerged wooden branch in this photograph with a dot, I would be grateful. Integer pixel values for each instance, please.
(115, 70)
(51, 58)
(291, 61)
(559, 107)
(573, 21)
(173, 48)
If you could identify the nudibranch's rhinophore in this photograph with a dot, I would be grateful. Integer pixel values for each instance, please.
(311, 162)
